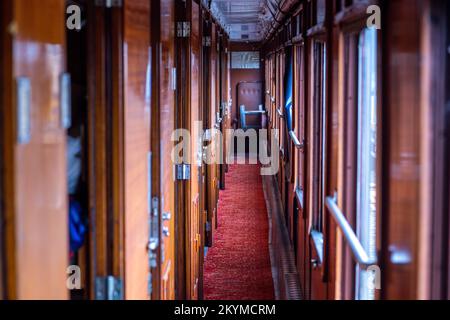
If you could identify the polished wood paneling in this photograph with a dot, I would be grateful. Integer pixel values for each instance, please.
(163, 124)
(195, 115)
(331, 266)
(105, 149)
(228, 107)
(401, 87)
(136, 93)
(181, 47)
(212, 181)
(217, 96)
(300, 115)
(434, 190)
(3, 46)
(167, 119)
(223, 95)
(35, 173)
(97, 155)
(209, 205)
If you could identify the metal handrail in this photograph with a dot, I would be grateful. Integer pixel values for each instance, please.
(280, 113)
(358, 250)
(255, 112)
(296, 141)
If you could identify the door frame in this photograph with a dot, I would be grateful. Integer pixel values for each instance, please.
(181, 189)
(223, 92)
(203, 88)
(4, 10)
(106, 144)
(208, 196)
(7, 249)
(188, 125)
(157, 151)
(448, 152)
(316, 276)
(183, 49)
(434, 284)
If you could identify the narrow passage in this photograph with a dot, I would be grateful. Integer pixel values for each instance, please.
(238, 266)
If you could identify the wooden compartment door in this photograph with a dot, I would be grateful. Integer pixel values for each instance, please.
(209, 116)
(136, 95)
(36, 208)
(167, 115)
(195, 115)
(206, 78)
(214, 107)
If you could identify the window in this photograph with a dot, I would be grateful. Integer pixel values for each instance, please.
(245, 60)
(273, 79)
(299, 105)
(319, 133)
(321, 11)
(359, 201)
(280, 102)
(366, 184)
(288, 104)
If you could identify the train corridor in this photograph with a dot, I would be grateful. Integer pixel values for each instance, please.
(238, 266)
(119, 121)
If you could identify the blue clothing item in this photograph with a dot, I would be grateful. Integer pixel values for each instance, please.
(288, 81)
(77, 227)
(73, 163)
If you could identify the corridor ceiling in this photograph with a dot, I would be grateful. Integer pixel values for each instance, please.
(243, 20)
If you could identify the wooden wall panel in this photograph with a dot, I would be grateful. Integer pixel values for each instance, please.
(167, 121)
(300, 115)
(36, 191)
(213, 172)
(137, 145)
(206, 74)
(97, 146)
(402, 160)
(332, 165)
(181, 187)
(4, 69)
(196, 152)
(433, 243)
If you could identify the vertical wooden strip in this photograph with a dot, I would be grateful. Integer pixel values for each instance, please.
(136, 139)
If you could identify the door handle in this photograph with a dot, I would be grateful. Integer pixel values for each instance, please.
(23, 98)
(166, 216)
(166, 232)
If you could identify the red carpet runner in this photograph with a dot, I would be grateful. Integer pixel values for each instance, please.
(238, 266)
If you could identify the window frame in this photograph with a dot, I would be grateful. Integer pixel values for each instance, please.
(319, 132)
(299, 115)
(349, 103)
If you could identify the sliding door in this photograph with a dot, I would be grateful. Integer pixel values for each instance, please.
(35, 204)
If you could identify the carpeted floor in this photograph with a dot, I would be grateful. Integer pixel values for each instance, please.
(238, 266)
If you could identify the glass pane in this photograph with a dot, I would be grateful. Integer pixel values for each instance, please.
(367, 156)
(245, 60)
(319, 92)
